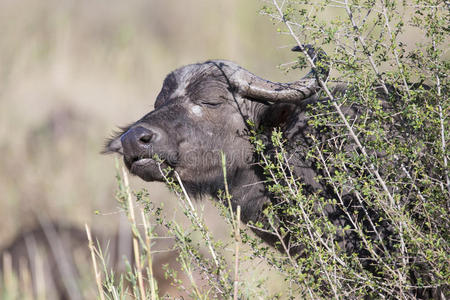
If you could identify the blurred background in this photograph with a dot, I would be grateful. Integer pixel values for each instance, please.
(71, 71)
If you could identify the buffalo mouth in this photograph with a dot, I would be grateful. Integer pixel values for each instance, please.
(146, 168)
(142, 162)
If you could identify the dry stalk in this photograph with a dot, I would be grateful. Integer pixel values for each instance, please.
(131, 216)
(237, 238)
(98, 276)
(25, 279)
(41, 289)
(8, 274)
(148, 239)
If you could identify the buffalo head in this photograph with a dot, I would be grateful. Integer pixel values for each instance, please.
(201, 111)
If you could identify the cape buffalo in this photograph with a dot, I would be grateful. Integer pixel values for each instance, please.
(203, 110)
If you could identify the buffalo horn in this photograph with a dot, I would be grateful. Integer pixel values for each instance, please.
(254, 87)
(251, 86)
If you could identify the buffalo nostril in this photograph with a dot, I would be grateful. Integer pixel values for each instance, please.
(146, 138)
(137, 139)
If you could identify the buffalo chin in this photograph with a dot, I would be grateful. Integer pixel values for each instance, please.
(147, 169)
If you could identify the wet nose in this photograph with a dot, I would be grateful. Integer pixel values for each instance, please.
(137, 140)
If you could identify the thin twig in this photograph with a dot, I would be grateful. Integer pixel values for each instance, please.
(443, 145)
(365, 48)
(394, 49)
(441, 122)
(199, 224)
(372, 167)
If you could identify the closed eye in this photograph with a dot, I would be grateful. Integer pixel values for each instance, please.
(211, 104)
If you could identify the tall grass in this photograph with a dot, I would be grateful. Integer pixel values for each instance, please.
(208, 275)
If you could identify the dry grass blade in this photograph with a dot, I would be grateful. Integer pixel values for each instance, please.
(25, 279)
(148, 238)
(98, 276)
(8, 275)
(131, 216)
(237, 237)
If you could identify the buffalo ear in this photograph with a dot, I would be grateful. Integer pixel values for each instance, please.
(113, 145)
(278, 115)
